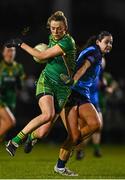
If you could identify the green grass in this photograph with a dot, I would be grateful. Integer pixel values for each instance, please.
(39, 164)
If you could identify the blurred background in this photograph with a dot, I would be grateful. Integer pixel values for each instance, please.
(27, 19)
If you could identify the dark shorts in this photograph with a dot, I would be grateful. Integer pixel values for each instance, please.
(76, 99)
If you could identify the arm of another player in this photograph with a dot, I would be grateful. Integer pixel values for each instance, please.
(82, 70)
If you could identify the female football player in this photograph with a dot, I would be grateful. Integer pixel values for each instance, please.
(88, 68)
(11, 77)
(52, 93)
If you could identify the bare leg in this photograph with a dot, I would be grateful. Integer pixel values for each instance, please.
(44, 129)
(96, 139)
(87, 113)
(7, 120)
(46, 104)
(92, 119)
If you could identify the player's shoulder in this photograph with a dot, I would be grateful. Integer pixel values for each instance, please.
(89, 49)
(69, 38)
(86, 51)
(68, 41)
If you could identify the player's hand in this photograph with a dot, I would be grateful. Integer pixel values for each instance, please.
(14, 43)
(66, 79)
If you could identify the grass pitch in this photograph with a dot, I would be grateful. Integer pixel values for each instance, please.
(39, 164)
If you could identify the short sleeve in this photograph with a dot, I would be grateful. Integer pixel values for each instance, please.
(66, 44)
(91, 58)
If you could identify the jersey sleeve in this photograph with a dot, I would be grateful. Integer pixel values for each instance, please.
(66, 44)
(91, 57)
(86, 54)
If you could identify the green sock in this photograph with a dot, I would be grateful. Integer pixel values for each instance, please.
(32, 136)
(19, 138)
(96, 147)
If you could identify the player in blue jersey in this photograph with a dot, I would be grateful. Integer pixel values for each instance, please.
(88, 69)
(99, 87)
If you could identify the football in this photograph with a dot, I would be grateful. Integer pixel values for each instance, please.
(40, 47)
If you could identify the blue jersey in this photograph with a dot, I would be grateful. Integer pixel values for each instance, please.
(94, 55)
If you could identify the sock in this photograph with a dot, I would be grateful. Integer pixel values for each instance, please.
(61, 163)
(19, 138)
(32, 136)
(96, 147)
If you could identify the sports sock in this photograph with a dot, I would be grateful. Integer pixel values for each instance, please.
(19, 138)
(96, 147)
(32, 136)
(61, 163)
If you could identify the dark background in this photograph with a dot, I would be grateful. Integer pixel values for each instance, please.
(85, 18)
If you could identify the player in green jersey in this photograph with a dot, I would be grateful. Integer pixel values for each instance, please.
(11, 77)
(52, 93)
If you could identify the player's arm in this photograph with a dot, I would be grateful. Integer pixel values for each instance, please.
(49, 53)
(82, 70)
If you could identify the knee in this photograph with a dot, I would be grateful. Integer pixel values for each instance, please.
(48, 116)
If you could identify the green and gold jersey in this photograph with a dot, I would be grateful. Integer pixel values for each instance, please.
(103, 95)
(11, 79)
(64, 64)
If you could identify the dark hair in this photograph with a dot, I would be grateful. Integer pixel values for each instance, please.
(57, 16)
(92, 40)
(3, 46)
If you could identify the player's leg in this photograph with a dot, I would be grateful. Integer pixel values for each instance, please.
(80, 148)
(39, 133)
(61, 97)
(46, 104)
(7, 121)
(85, 112)
(72, 140)
(33, 137)
(63, 117)
(96, 139)
(93, 122)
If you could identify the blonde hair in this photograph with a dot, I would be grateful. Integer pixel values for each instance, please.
(57, 16)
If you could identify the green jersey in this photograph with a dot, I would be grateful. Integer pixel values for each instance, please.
(62, 64)
(11, 77)
(103, 95)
